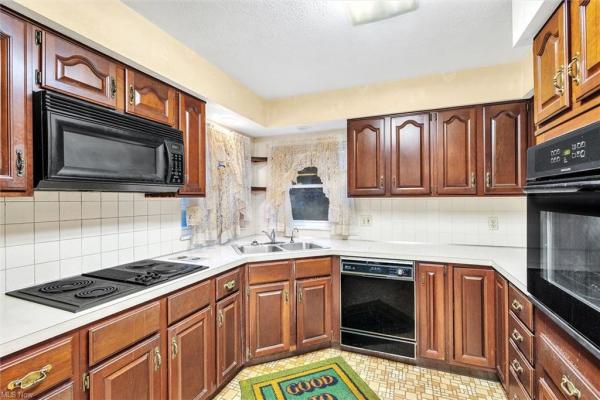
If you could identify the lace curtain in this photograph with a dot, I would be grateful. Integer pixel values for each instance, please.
(328, 155)
(226, 209)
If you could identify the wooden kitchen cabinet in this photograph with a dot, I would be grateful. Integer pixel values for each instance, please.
(473, 333)
(313, 312)
(501, 331)
(72, 69)
(505, 134)
(269, 319)
(366, 157)
(409, 155)
(150, 98)
(191, 360)
(132, 374)
(16, 152)
(431, 311)
(456, 152)
(192, 123)
(228, 337)
(584, 65)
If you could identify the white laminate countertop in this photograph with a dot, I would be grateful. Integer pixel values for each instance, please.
(24, 323)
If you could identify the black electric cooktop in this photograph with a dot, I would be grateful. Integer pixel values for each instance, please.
(94, 288)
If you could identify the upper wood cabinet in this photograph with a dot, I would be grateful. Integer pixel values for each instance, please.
(550, 59)
(192, 123)
(456, 151)
(150, 98)
(313, 313)
(584, 67)
(16, 155)
(431, 311)
(366, 157)
(473, 330)
(75, 70)
(409, 155)
(191, 357)
(501, 316)
(229, 337)
(505, 143)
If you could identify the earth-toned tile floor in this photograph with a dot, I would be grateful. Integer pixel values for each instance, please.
(389, 379)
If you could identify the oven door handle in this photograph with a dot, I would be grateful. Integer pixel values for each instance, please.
(388, 277)
(572, 187)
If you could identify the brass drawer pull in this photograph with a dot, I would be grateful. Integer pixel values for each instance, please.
(488, 179)
(473, 180)
(157, 359)
(113, 87)
(516, 335)
(31, 379)
(569, 387)
(131, 94)
(220, 318)
(229, 285)
(559, 81)
(174, 347)
(516, 305)
(573, 69)
(517, 366)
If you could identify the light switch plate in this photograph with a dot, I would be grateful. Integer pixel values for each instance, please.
(493, 223)
(366, 220)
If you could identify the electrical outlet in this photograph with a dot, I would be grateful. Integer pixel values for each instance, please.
(493, 223)
(366, 220)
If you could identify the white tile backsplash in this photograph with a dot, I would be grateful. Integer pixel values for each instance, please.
(54, 235)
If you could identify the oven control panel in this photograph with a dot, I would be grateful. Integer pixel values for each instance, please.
(176, 163)
(404, 271)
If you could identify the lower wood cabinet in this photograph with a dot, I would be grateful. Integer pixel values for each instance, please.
(431, 311)
(64, 392)
(191, 364)
(269, 319)
(133, 374)
(229, 337)
(313, 312)
(501, 316)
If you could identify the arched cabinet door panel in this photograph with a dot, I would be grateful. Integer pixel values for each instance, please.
(150, 98)
(366, 157)
(584, 66)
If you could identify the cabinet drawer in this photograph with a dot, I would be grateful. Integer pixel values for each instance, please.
(112, 336)
(515, 389)
(64, 392)
(521, 306)
(521, 368)
(188, 301)
(566, 375)
(521, 337)
(228, 283)
(267, 272)
(313, 267)
(39, 370)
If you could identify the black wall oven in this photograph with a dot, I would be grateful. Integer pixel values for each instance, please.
(563, 230)
(80, 146)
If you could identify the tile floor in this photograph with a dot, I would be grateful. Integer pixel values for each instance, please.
(390, 380)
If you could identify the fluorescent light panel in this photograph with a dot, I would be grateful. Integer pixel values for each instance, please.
(366, 11)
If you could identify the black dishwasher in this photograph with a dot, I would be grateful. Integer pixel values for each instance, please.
(378, 306)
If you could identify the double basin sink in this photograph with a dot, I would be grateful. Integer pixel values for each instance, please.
(261, 248)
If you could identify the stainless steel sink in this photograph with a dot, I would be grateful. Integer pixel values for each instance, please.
(300, 246)
(273, 248)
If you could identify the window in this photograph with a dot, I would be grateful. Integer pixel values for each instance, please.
(309, 205)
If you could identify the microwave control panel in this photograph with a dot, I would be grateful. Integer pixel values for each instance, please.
(176, 165)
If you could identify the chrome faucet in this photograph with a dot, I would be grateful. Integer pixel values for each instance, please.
(271, 236)
(294, 230)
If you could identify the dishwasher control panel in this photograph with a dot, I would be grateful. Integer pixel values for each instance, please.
(380, 269)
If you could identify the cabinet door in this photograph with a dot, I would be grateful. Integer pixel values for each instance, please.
(584, 67)
(229, 337)
(545, 391)
(132, 374)
(456, 151)
(269, 319)
(473, 320)
(410, 155)
(192, 122)
(150, 98)
(313, 315)
(191, 357)
(505, 148)
(501, 315)
(72, 69)
(550, 58)
(15, 107)
(366, 157)
(431, 311)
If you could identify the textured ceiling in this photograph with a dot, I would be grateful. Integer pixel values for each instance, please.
(282, 48)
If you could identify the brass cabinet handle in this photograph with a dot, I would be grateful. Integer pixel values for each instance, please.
(516, 366)
(30, 379)
(220, 318)
(286, 296)
(131, 94)
(174, 347)
(488, 179)
(516, 305)
(157, 359)
(20, 162)
(559, 84)
(300, 296)
(569, 387)
(381, 181)
(573, 69)
(113, 87)
(229, 285)
(473, 180)
(516, 335)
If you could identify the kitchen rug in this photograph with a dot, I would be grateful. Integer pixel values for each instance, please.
(330, 379)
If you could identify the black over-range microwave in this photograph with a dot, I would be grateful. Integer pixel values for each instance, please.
(80, 146)
(563, 231)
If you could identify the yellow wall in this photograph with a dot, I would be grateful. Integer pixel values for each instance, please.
(113, 27)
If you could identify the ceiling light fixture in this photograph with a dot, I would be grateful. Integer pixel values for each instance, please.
(366, 11)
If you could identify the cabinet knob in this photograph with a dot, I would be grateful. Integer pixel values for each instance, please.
(516, 305)
(516, 335)
(517, 366)
(229, 285)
